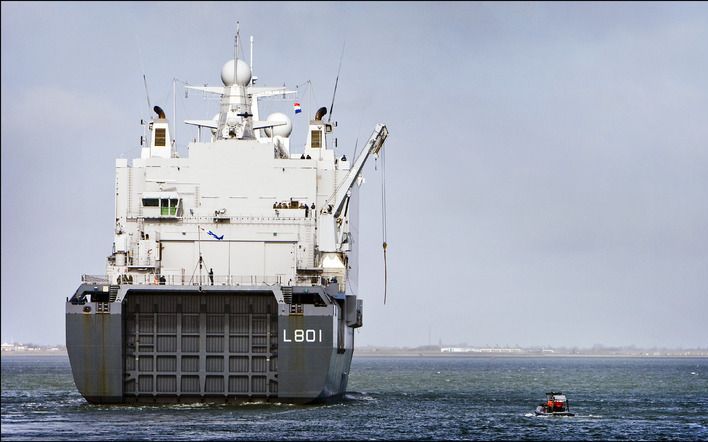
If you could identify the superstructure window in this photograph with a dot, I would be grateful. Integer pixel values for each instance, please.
(168, 206)
(158, 204)
(316, 138)
(160, 137)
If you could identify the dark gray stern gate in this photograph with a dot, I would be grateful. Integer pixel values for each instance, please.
(181, 346)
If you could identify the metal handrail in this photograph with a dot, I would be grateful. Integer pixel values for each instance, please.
(204, 279)
(188, 219)
(94, 279)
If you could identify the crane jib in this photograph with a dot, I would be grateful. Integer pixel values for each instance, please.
(375, 144)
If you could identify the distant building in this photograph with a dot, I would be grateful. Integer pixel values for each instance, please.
(19, 347)
(455, 349)
(14, 347)
(479, 350)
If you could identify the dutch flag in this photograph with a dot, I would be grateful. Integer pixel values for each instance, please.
(296, 107)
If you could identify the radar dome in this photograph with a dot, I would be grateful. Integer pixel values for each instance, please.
(243, 73)
(279, 131)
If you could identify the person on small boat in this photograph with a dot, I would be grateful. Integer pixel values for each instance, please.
(556, 404)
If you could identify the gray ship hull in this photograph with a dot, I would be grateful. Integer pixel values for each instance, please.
(156, 343)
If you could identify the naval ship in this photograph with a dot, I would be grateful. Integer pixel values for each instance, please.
(233, 270)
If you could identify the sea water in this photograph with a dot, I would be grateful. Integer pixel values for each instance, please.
(465, 398)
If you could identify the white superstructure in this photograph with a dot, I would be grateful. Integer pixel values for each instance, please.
(241, 207)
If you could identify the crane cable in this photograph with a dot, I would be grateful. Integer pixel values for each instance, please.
(383, 218)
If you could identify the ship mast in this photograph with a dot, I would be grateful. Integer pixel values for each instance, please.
(236, 48)
(253, 78)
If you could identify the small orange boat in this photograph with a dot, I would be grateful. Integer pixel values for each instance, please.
(556, 405)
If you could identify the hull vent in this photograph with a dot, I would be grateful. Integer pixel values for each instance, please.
(113, 293)
(287, 294)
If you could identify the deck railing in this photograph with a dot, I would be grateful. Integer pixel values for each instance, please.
(204, 279)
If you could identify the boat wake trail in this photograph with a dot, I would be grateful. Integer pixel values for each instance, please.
(356, 396)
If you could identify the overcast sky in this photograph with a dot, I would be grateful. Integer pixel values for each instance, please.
(546, 169)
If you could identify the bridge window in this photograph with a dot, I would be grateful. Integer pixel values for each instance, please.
(157, 204)
(168, 206)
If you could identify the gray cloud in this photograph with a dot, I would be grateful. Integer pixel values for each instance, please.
(545, 160)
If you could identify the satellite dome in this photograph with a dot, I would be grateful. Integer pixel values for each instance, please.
(243, 73)
(279, 131)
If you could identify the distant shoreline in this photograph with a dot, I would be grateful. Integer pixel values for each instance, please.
(35, 353)
(413, 354)
(429, 354)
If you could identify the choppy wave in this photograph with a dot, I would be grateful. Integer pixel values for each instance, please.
(404, 398)
(358, 396)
